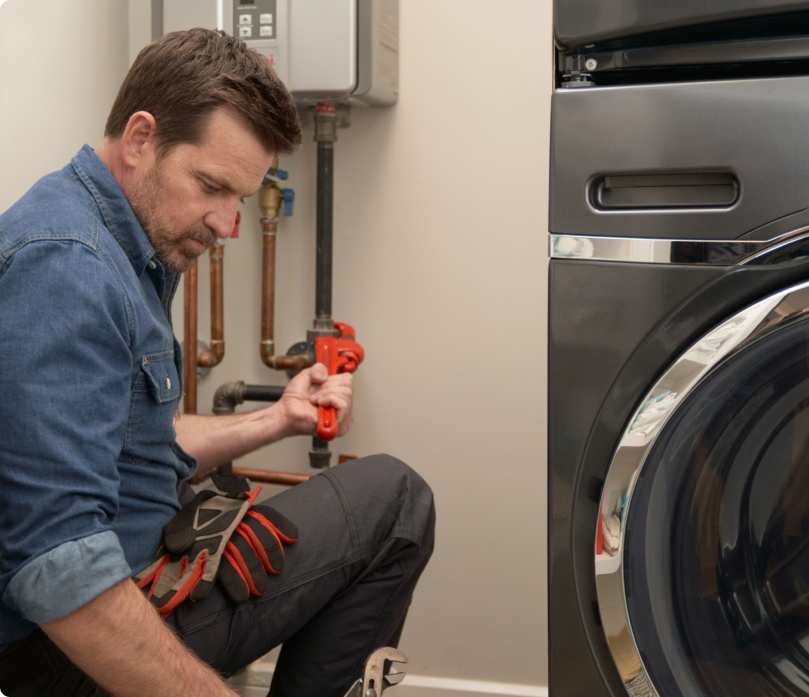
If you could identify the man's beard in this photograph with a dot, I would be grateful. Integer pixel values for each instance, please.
(169, 244)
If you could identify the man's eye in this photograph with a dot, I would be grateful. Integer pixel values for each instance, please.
(209, 188)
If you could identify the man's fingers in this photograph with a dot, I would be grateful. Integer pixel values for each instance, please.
(318, 374)
(309, 379)
(335, 399)
(342, 383)
(337, 392)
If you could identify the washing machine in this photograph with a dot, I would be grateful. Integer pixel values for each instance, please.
(679, 349)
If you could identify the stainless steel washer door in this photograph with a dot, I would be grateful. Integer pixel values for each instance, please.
(708, 495)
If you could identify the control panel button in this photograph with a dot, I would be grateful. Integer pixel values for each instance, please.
(266, 31)
(265, 18)
(245, 19)
(245, 32)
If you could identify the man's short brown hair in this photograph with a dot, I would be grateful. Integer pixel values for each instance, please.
(183, 77)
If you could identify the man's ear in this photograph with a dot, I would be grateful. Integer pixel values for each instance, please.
(139, 139)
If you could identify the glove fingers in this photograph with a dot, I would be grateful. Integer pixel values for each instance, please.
(182, 588)
(231, 579)
(168, 580)
(265, 543)
(269, 517)
(171, 582)
(151, 574)
(212, 545)
(248, 565)
(201, 590)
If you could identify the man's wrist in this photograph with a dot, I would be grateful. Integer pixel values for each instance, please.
(283, 421)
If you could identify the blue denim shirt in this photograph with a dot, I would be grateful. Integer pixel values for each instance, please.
(90, 379)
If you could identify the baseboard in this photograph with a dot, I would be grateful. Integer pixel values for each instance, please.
(255, 681)
(428, 686)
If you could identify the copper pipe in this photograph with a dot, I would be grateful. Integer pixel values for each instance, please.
(208, 359)
(190, 341)
(268, 477)
(270, 199)
(269, 226)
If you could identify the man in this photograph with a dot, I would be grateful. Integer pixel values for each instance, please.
(91, 454)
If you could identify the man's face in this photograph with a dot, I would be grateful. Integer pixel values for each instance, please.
(189, 198)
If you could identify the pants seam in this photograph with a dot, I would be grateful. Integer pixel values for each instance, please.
(347, 510)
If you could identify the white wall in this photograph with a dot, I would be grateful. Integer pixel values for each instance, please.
(61, 63)
(440, 264)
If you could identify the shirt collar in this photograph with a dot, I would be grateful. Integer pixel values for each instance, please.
(117, 213)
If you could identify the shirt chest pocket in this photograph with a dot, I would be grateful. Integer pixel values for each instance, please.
(161, 375)
(155, 397)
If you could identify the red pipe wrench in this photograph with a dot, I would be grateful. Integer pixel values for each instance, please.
(339, 355)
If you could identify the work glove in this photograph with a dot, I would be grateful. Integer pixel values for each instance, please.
(255, 550)
(194, 541)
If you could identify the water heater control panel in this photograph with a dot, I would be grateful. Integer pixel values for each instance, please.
(338, 51)
(254, 19)
(256, 22)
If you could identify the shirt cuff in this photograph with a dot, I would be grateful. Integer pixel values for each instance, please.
(61, 581)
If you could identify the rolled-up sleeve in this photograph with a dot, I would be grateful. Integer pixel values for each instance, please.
(86, 567)
(65, 381)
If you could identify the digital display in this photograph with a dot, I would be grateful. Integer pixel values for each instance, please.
(247, 2)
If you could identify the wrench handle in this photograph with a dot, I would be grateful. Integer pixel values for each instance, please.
(341, 355)
(327, 423)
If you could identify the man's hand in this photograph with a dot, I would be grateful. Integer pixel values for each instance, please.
(313, 388)
(214, 440)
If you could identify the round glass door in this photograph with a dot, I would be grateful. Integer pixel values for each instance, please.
(713, 552)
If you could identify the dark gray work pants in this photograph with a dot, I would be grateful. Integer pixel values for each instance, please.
(366, 531)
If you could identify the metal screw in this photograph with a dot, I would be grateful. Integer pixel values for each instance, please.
(591, 64)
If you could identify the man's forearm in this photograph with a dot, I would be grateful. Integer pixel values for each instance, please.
(121, 642)
(214, 440)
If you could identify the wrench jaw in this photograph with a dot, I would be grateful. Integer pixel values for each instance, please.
(374, 678)
(374, 681)
(393, 678)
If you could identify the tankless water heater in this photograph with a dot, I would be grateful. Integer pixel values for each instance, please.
(338, 51)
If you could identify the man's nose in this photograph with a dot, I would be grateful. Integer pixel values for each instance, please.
(225, 232)
(222, 220)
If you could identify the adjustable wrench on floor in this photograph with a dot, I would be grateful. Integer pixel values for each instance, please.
(342, 355)
(374, 681)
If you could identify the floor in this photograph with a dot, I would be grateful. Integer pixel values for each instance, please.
(254, 681)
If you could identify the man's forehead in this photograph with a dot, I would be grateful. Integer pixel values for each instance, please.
(230, 150)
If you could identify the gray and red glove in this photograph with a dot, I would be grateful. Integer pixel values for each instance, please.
(255, 550)
(198, 539)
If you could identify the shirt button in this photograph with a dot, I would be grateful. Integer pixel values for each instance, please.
(151, 264)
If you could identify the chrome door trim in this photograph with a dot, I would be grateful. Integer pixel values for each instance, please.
(641, 250)
(672, 387)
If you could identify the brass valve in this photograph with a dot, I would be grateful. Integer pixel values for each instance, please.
(270, 196)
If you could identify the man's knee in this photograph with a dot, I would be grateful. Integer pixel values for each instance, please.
(398, 496)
